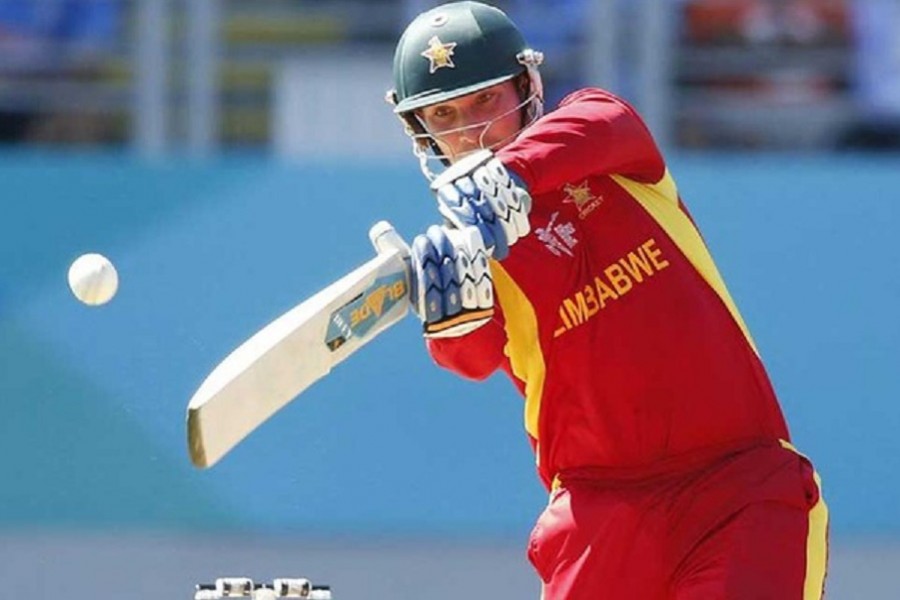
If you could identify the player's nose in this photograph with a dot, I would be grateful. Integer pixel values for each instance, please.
(468, 141)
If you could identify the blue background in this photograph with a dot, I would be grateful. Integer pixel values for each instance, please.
(94, 398)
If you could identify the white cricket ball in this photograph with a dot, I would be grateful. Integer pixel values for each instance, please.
(93, 279)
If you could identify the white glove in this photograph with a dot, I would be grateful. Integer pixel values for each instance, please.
(479, 191)
(452, 291)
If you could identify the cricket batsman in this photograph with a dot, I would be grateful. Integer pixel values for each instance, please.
(568, 260)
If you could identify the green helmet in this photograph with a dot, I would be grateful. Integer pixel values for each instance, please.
(457, 49)
(453, 50)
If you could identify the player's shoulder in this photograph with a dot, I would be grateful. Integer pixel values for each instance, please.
(600, 102)
(587, 93)
(591, 94)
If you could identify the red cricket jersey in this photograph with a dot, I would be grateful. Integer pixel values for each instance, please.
(612, 319)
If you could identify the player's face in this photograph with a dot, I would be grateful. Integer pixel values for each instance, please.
(489, 118)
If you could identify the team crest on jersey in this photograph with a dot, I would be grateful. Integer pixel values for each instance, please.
(582, 197)
(439, 54)
(558, 238)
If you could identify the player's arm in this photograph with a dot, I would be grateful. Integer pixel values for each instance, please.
(452, 292)
(476, 355)
(591, 133)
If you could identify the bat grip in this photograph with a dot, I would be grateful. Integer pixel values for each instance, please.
(386, 239)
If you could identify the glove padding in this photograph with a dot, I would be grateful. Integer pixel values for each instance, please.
(451, 281)
(479, 191)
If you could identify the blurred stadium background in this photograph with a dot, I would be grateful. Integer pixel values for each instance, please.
(229, 157)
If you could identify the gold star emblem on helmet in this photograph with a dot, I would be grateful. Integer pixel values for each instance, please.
(438, 54)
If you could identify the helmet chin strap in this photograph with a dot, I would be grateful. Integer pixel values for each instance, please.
(532, 105)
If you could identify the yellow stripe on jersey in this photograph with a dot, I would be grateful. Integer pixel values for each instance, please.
(816, 541)
(816, 548)
(660, 200)
(523, 344)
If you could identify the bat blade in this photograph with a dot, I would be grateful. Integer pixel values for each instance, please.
(270, 369)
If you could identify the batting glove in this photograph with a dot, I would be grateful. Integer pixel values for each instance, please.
(451, 283)
(479, 191)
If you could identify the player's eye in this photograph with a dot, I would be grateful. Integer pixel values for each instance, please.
(486, 97)
(442, 112)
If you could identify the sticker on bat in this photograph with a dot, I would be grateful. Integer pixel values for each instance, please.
(359, 315)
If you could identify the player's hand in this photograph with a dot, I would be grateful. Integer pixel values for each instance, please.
(451, 281)
(479, 191)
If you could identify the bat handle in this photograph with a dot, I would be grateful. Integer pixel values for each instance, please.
(385, 239)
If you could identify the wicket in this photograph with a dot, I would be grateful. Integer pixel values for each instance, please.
(244, 587)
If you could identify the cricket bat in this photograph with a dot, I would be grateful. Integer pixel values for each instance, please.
(276, 364)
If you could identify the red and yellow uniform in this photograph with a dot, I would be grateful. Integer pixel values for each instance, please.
(648, 407)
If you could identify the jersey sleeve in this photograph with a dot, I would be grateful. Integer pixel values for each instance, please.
(475, 355)
(593, 132)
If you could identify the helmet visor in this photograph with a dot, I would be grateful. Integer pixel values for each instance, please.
(434, 96)
(449, 145)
